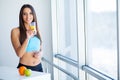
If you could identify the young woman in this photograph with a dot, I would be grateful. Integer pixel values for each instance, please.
(27, 42)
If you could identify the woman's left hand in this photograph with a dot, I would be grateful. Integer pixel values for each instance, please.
(37, 54)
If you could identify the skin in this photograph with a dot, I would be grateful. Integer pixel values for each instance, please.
(27, 58)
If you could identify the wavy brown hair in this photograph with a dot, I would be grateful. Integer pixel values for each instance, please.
(22, 26)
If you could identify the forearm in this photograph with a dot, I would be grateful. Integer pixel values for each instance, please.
(22, 49)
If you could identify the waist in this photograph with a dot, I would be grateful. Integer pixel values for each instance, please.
(35, 68)
(21, 64)
(29, 60)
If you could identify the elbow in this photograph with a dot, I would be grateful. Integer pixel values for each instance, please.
(20, 54)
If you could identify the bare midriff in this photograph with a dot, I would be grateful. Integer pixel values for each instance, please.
(29, 60)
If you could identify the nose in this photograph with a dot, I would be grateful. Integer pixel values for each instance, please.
(28, 15)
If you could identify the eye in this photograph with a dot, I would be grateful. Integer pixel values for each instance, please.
(24, 14)
(31, 13)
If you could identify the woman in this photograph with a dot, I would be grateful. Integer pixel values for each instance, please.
(26, 42)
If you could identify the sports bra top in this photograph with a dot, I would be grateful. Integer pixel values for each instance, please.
(33, 44)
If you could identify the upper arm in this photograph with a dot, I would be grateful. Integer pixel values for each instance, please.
(15, 38)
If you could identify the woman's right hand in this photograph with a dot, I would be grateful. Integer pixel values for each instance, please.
(30, 33)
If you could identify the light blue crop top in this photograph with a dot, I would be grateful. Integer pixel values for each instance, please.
(33, 44)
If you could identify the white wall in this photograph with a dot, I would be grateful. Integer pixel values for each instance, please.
(9, 16)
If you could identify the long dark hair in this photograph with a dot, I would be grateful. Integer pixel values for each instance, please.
(22, 26)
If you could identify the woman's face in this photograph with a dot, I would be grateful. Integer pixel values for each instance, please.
(27, 16)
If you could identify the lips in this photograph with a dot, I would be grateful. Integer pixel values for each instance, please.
(28, 20)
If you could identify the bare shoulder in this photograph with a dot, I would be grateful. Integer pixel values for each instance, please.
(15, 31)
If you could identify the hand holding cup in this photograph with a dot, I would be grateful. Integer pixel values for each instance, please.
(33, 27)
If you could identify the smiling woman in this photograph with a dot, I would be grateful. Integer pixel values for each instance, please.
(24, 39)
(9, 19)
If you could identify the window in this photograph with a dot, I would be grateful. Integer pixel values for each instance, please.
(101, 36)
(86, 31)
(66, 38)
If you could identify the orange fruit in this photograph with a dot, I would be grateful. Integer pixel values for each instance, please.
(21, 70)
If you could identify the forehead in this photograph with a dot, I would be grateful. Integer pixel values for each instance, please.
(27, 10)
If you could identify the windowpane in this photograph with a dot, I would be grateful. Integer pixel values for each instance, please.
(66, 36)
(91, 77)
(101, 36)
(67, 28)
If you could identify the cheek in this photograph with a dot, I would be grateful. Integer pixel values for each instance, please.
(32, 17)
(24, 17)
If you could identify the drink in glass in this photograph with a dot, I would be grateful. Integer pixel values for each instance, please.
(33, 26)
